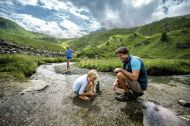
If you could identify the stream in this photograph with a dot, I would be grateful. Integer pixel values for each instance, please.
(57, 105)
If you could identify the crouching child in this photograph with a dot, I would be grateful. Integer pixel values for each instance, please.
(84, 85)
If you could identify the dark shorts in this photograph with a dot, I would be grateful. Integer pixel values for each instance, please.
(134, 85)
(69, 58)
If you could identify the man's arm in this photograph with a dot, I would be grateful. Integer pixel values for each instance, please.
(115, 85)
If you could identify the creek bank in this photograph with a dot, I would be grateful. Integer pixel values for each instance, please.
(58, 105)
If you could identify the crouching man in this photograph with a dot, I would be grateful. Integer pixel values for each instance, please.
(132, 77)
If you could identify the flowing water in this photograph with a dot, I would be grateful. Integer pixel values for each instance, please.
(57, 105)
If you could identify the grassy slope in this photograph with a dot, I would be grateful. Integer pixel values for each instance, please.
(167, 24)
(152, 48)
(104, 43)
(15, 33)
(160, 57)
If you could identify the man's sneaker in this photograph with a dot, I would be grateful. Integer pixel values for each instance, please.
(123, 97)
(135, 95)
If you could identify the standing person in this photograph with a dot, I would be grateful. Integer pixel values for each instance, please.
(132, 77)
(69, 54)
(84, 85)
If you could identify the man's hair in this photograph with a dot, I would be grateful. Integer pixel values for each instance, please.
(93, 73)
(123, 50)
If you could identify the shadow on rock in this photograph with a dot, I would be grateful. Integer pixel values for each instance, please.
(134, 110)
(86, 104)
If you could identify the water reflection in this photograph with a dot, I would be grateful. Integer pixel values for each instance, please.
(134, 111)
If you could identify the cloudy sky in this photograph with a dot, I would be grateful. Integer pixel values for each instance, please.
(74, 18)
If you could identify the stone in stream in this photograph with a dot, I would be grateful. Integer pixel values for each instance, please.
(156, 115)
(1, 92)
(184, 103)
(37, 85)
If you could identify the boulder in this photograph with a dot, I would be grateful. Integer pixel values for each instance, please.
(182, 46)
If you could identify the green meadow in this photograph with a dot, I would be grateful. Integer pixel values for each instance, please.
(19, 67)
(161, 66)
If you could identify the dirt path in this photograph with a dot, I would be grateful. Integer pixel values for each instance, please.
(57, 105)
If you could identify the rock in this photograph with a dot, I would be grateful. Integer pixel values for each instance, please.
(184, 103)
(37, 86)
(183, 46)
(185, 117)
(1, 92)
(156, 115)
(8, 47)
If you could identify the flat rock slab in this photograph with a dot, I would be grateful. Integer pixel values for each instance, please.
(37, 85)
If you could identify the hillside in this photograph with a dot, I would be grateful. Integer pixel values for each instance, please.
(10, 31)
(144, 41)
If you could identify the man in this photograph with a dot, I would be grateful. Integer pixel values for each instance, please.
(132, 77)
(68, 54)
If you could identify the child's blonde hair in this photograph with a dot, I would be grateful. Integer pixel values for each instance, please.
(93, 73)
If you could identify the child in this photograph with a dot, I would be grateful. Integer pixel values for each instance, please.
(69, 55)
(84, 85)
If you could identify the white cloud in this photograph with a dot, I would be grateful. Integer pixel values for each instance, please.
(38, 25)
(110, 14)
(54, 4)
(73, 29)
(174, 9)
(179, 9)
(7, 2)
(77, 11)
(138, 3)
(28, 2)
(64, 6)
(94, 25)
(79, 17)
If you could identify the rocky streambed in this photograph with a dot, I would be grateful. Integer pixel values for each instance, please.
(49, 100)
(8, 47)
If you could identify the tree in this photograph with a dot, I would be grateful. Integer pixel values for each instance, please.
(164, 37)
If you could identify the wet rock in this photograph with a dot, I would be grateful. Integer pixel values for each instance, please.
(156, 115)
(185, 117)
(73, 70)
(184, 103)
(38, 85)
